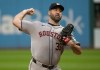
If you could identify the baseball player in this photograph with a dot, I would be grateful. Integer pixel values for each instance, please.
(48, 40)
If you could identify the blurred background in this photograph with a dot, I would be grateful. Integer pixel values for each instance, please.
(83, 14)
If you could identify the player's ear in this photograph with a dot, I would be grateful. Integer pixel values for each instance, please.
(48, 12)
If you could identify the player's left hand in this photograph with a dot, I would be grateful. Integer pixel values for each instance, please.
(66, 34)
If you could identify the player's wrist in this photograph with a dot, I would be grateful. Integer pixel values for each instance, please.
(66, 39)
(25, 11)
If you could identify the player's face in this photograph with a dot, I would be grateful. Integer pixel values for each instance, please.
(55, 14)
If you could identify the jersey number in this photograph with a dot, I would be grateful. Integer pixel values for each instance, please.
(59, 46)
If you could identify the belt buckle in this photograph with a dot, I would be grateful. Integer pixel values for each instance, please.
(50, 66)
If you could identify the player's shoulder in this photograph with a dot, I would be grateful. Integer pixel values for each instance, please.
(38, 22)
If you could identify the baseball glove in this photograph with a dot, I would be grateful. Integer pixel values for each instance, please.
(66, 34)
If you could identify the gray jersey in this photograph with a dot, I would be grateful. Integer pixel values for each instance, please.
(45, 45)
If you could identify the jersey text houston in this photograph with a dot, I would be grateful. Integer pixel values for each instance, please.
(51, 34)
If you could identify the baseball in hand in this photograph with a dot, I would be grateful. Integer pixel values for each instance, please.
(30, 11)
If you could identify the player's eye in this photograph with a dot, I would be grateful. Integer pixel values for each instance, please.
(58, 10)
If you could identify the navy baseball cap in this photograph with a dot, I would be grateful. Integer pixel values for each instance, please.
(55, 5)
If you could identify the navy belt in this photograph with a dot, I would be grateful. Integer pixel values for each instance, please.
(43, 65)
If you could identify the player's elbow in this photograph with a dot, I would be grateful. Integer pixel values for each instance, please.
(77, 51)
(75, 48)
(16, 22)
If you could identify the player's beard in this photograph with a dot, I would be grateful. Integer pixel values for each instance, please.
(55, 17)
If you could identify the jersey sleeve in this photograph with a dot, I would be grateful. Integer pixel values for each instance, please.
(29, 27)
(26, 26)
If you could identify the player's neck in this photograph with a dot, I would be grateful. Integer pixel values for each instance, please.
(51, 22)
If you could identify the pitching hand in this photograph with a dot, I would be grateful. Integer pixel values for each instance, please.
(29, 11)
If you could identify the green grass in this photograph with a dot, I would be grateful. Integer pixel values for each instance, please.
(89, 60)
(19, 60)
(14, 59)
